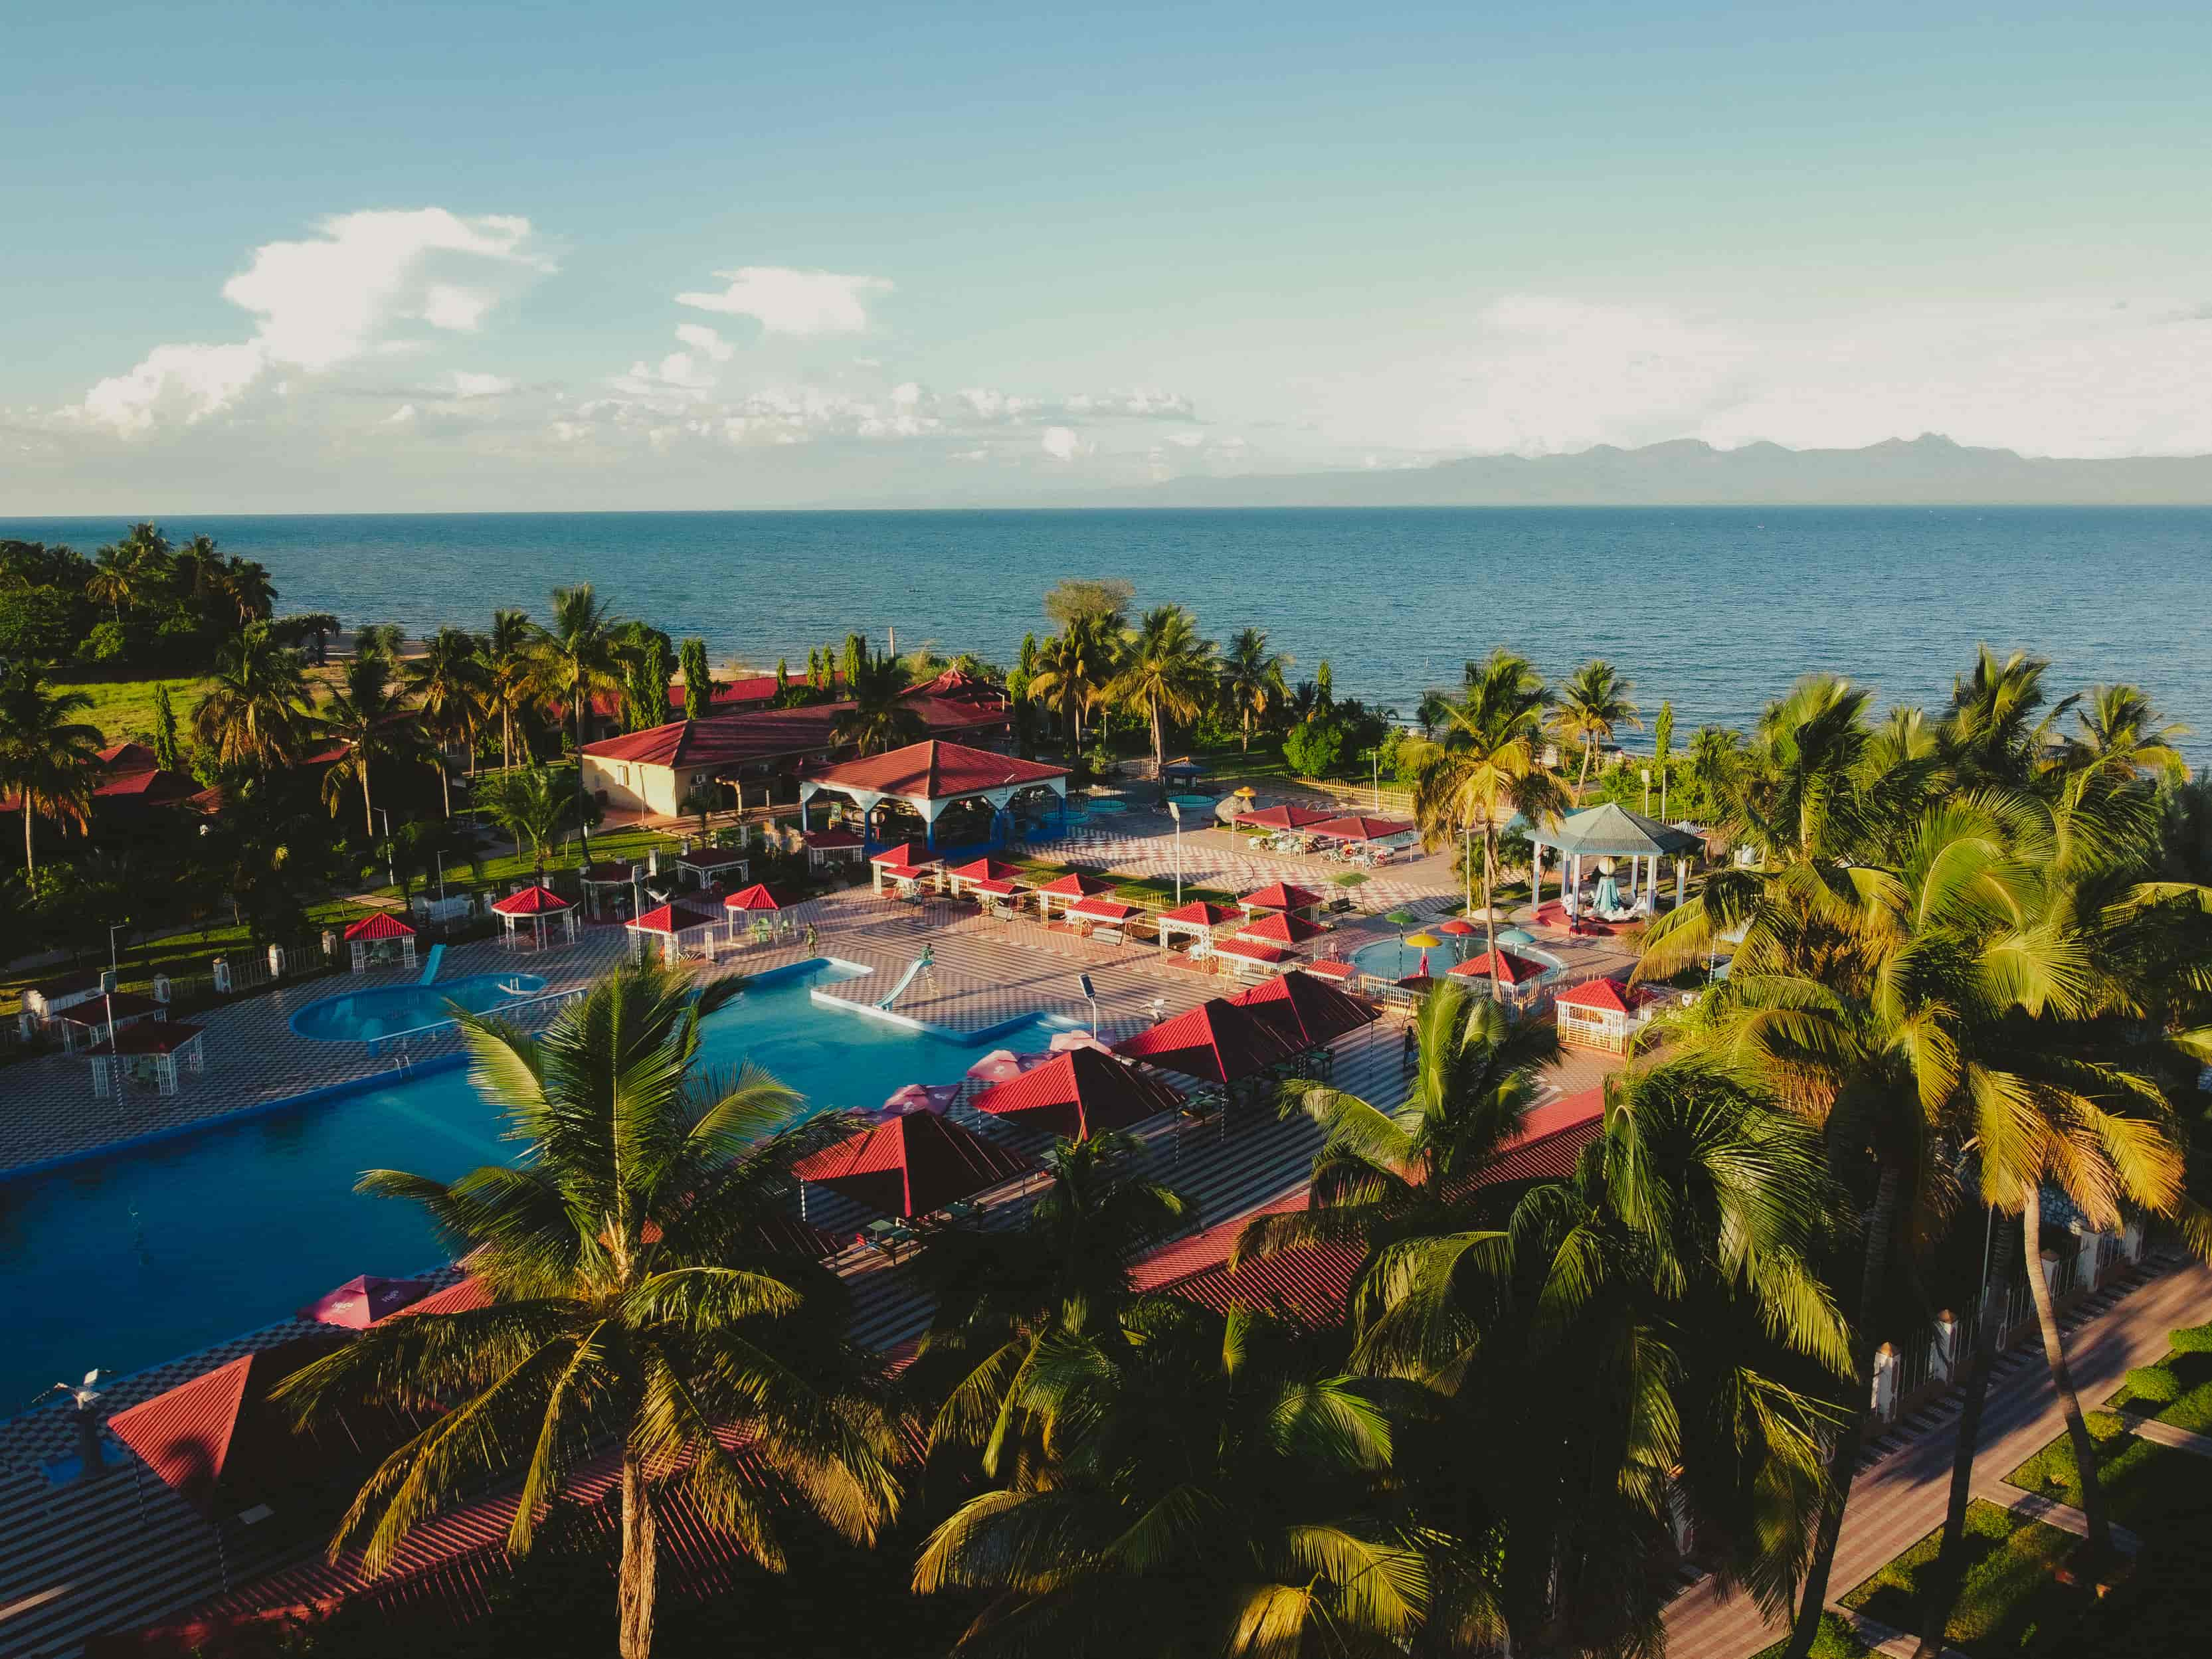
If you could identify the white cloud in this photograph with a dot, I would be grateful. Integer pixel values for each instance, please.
(1060, 443)
(801, 303)
(402, 416)
(463, 384)
(350, 291)
(701, 338)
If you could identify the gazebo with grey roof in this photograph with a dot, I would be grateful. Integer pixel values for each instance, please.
(1612, 831)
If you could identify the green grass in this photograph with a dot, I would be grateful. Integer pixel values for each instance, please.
(1134, 889)
(2192, 1412)
(124, 709)
(2146, 1485)
(1834, 1641)
(2011, 1604)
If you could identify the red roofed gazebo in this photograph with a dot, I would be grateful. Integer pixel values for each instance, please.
(379, 938)
(904, 864)
(1285, 817)
(1306, 1011)
(988, 875)
(929, 777)
(1070, 889)
(1201, 919)
(1281, 895)
(912, 1166)
(153, 1053)
(838, 845)
(713, 866)
(1503, 967)
(1279, 927)
(1358, 826)
(681, 925)
(1079, 1093)
(538, 906)
(1603, 1013)
(1217, 1041)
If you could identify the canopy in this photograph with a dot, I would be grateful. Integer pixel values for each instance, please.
(754, 897)
(380, 924)
(1281, 895)
(1080, 1092)
(908, 855)
(1201, 913)
(1001, 1064)
(987, 869)
(1103, 909)
(1280, 927)
(1612, 830)
(1503, 967)
(615, 872)
(670, 918)
(361, 1302)
(912, 1166)
(1331, 967)
(1077, 883)
(1358, 826)
(152, 1037)
(1217, 1041)
(538, 900)
(1607, 995)
(1459, 926)
(1285, 817)
(1304, 1011)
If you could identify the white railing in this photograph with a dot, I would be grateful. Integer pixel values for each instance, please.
(377, 1045)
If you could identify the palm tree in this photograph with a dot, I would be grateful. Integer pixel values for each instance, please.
(1167, 673)
(2124, 738)
(254, 711)
(1591, 703)
(384, 639)
(318, 625)
(366, 715)
(1057, 682)
(880, 719)
(1252, 679)
(247, 589)
(454, 688)
(48, 758)
(1992, 733)
(640, 1298)
(1000, 1296)
(513, 671)
(1205, 1489)
(583, 654)
(1484, 769)
(117, 581)
(530, 806)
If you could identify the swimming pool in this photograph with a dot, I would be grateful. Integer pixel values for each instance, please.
(365, 1015)
(133, 1260)
(1388, 960)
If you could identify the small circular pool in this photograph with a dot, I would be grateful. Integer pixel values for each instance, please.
(1388, 960)
(1193, 803)
(1108, 806)
(386, 1009)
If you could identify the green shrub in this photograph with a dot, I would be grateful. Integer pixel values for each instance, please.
(2154, 1382)
(1313, 749)
(2193, 1339)
(106, 642)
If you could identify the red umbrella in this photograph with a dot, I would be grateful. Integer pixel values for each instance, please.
(1217, 1040)
(360, 1303)
(912, 1166)
(1002, 1065)
(1458, 925)
(1080, 1093)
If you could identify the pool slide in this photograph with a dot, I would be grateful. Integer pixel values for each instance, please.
(430, 965)
(905, 980)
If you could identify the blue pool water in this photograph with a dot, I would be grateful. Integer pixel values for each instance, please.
(151, 1254)
(364, 1016)
(1388, 960)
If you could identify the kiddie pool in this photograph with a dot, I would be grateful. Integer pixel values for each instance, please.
(365, 1015)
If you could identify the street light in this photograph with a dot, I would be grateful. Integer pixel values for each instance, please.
(1175, 811)
(391, 872)
(115, 976)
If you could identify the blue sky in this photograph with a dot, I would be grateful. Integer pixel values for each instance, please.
(293, 256)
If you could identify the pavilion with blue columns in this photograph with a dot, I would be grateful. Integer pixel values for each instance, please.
(930, 777)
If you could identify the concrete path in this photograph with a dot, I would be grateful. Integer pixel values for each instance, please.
(1900, 1498)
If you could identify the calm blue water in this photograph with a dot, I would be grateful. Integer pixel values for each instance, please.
(1717, 609)
(147, 1255)
(356, 1016)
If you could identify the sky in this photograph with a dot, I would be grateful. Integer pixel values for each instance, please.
(396, 256)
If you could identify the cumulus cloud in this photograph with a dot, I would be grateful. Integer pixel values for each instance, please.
(1544, 374)
(463, 383)
(802, 303)
(1060, 442)
(366, 283)
(705, 340)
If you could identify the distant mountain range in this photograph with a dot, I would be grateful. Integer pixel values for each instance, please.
(1927, 471)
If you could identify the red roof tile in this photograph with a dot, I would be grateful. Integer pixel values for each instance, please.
(754, 897)
(932, 770)
(379, 924)
(676, 917)
(1358, 826)
(1201, 912)
(1504, 966)
(538, 900)
(1217, 1041)
(1281, 895)
(1081, 1092)
(912, 1166)
(1284, 817)
(1098, 908)
(1609, 995)
(153, 1037)
(1306, 1011)
(1077, 883)
(1279, 927)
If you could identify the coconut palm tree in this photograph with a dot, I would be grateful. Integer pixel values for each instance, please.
(1591, 703)
(384, 639)
(643, 1309)
(514, 672)
(247, 589)
(880, 719)
(1000, 1296)
(583, 655)
(1252, 679)
(1485, 768)
(2123, 738)
(1992, 733)
(302, 625)
(48, 758)
(1057, 682)
(1167, 673)
(1205, 1489)
(454, 688)
(530, 806)
(254, 711)
(367, 714)
(117, 581)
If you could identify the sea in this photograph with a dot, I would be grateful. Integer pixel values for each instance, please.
(1717, 610)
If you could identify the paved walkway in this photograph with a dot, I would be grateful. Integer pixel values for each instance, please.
(1900, 1498)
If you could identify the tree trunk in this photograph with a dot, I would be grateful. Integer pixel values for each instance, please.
(634, 1591)
(367, 812)
(1248, 730)
(30, 859)
(1950, 1567)
(444, 785)
(1489, 914)
(2062, 1379)
(1159, 742)
(1844, 1456)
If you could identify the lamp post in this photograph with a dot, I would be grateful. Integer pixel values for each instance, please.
(115, 974)
(1175, 811)
(391, 870)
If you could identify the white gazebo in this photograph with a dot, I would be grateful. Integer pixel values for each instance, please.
(679, 928)
(1603, 1013)
(151, 1053)
(529, 914)
(760, 911)
(713, 866)
(604, 885)
(1201, 918)
(111, 1011)
(1252, 958)
(1613, 831)
(833, 845)
(380, 940)
(1069, 891)
(930, 776)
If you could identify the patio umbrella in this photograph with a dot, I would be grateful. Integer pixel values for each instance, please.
(1516, 936)
(912, 1166)
(1064, 1041)
(922, 1097)
(1001, 1065)
(1082, 1092)
(1425, 939)
(361, 1302)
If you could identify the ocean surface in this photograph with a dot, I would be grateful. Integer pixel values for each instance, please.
(1717, 609)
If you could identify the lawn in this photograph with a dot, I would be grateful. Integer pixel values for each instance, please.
(1835, 1641)
(1134, 889)
(2146, 1485)
(2191, 1410)
(124, 709)
(2011, 1606)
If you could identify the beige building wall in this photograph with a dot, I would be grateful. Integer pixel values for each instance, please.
(631, 787)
